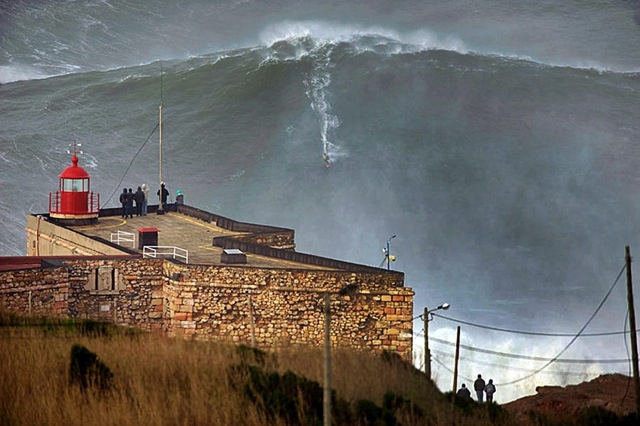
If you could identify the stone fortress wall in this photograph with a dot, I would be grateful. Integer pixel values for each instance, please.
(271, 307)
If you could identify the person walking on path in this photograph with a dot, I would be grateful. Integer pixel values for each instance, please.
(139, 199)
(490, 389)
(123, 201)
(478, 386)
(464, 392)
(145, 202)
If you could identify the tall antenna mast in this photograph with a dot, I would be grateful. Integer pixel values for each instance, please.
(160, 206)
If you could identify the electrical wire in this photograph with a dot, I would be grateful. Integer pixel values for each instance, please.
(549, 361)
(536, 358)
(510, 367)
(130, 163)
(530, 333)
(527, 357)
(575, 337)
(626, 346)
(442, 364)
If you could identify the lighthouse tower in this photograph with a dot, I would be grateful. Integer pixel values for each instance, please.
(73, 203)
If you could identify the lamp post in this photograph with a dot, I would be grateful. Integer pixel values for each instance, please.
(427, 316)
(387, 252)
(348, 290)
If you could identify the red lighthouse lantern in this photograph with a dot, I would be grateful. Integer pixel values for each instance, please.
(73, 203)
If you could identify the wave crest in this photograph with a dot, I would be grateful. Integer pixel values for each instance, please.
(315, 33)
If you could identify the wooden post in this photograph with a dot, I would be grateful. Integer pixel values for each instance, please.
(427, 351)
(632, 332)
(455, 373)
(326, 406)
(455, 366)
(252, 324)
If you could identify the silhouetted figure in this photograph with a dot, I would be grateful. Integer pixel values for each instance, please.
(139, 199)
(163, 194)
(123, 201)
(179, 197)
(478, 386)
(464, 392)
(129, 208)
(490, 389)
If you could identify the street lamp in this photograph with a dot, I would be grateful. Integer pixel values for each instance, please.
(427, 316)
(387, 253)
(348, 290)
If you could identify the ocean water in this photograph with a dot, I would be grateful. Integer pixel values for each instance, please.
(498, 141)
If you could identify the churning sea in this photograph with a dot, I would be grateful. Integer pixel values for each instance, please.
(498, 141)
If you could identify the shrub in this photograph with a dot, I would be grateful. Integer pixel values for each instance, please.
(368, 413)
(87, 370)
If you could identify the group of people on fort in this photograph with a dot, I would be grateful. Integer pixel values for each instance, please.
(141, 199)
(481, 389)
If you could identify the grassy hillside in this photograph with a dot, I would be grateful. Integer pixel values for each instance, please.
(146, 379)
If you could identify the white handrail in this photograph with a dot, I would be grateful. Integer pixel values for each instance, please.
(155, 251)
(123, 237)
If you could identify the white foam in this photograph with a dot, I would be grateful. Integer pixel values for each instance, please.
(317, 33)
(322, 32)
(10, 74)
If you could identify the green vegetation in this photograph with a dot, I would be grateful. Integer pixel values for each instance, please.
(76, 372)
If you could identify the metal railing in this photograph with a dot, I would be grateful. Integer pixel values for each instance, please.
(170, 251)
(124, 237)
(92, 203)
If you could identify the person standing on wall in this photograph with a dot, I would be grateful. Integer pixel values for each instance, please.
(145, 202)
(123, 201)
(163, 193)
(179, 197)
(139, 199)
(129, 209)
(478, 386)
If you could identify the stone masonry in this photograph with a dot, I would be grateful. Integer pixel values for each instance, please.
(271, 307)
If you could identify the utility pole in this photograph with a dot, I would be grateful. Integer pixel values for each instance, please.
(455, 366)
(455, 374)
(326, 402)
(350, 290)
(252, 323)
(427, 351)
(632, 331)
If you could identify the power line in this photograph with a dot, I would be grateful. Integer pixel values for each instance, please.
(535, 358)
(527, 357)
(130, 163)
(576, 336)
(530, 333)
(443, 365)
(549, 361)
(510, 367)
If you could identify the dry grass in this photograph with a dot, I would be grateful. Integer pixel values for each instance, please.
(162, 381)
